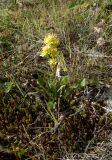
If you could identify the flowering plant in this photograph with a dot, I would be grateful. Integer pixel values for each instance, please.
(50, 49)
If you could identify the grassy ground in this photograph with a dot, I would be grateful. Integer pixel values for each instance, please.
(33, 100)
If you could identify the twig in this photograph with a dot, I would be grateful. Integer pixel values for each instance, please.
(61, 119)
(58, 124)
(56, 127)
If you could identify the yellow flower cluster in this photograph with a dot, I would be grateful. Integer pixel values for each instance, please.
(50, 49)
(47, 50)
(51, 40)
(52, 61)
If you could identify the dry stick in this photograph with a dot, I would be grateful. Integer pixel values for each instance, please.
(97, 56)
(61, 119)
(30, 141)
(58, 124)
(55, 128)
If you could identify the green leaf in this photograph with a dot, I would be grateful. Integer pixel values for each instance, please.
(51, 104)
(8, 87)
(78, 84)
(72, 5)
(83, 83)
(64, 80)
(69, 90)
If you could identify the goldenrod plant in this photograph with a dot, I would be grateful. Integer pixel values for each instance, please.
(50, 49)
(55, 57)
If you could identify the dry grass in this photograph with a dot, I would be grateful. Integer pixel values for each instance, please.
(84, 32)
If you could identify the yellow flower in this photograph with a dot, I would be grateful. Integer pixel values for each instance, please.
(48, 50)
(54, 52)
(52, 62)
(51, 40)
(45, 50)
